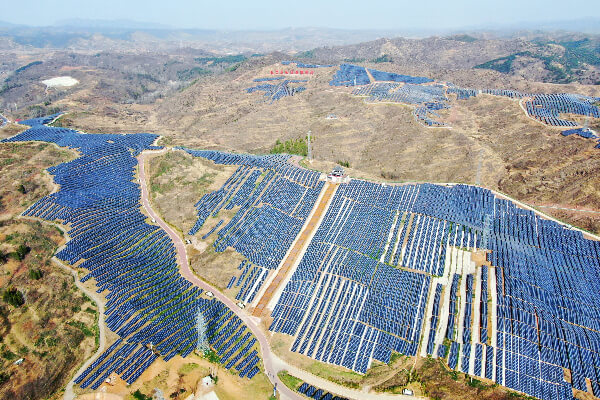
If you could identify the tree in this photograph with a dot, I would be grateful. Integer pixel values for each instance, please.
(35, 274)
(21, 252)
(13, 297)
(140, 396)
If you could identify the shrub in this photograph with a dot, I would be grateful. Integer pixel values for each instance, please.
(7, 354)
(21, 252)
(137, 395)
(13, 297)
(292, 146)
(383, 58)
(35, 274)
(4, 377)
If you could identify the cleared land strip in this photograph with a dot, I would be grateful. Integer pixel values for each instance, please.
(295, 252)
(568, 209)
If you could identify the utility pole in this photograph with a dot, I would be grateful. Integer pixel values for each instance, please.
(202, 342)
(309, 149)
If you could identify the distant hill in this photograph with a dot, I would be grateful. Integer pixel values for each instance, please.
(553, 61)
(543, 57)
(76, 34)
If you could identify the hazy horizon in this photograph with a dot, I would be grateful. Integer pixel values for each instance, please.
(437, 15)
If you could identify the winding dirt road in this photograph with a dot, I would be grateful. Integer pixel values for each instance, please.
(272, 365)
(69, 393)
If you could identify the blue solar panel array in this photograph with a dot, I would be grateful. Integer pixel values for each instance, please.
(350, 302)
(428, 98)
(382, 76)
(435, 317)
(462, 94)
(274, 199)
(269, 79)
(343, 306)
(353, 75)
(303, 65)
(40, 121)
(150, 306)
(513, 94)
(399, 88)
(317, 394)
(547, 107)
(359, 292)
(274, 92)
(350, 75)
(483, 306)
(584, 133)
(453, 310)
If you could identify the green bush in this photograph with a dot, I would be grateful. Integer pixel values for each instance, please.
(13, 297)
(211, 356)
(383, 58)
(137, 395)
(35, 274)
(81, 326)
(7, 354)
(21, 252)
(292, 146)
(4, 377)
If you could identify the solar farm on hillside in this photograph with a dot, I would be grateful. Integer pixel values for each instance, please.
(448, 271)
(427, 96)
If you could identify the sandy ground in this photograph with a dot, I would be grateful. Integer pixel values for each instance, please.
(60, 81)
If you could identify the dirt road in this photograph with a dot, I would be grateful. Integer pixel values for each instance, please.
(271, 366)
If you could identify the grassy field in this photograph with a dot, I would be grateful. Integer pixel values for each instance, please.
(288, 380)
(47, 321)
(178, 181)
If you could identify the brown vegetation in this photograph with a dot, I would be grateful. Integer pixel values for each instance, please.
(54, 330)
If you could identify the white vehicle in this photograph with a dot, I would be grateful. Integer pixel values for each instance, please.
(210, 294)
(241, 305)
